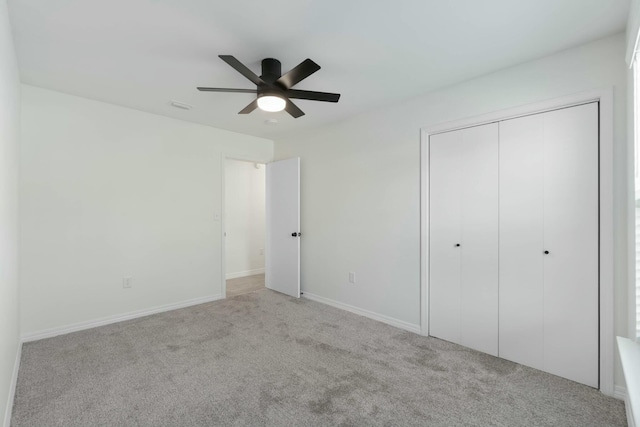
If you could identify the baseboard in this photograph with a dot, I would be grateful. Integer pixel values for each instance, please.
(630, 420)
(620, 392)
(629, 351)
(48, 333)
(244, 273)
(12, 387)
(366, 313)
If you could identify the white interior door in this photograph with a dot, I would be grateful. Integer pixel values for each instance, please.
(571, 238)
(463, 247)
(549, 242)
(521, 240)
(479, 245)
(445, 183)
(283, 227)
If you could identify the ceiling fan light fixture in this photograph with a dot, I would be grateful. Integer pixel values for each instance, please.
(271, 103)
(273, 89)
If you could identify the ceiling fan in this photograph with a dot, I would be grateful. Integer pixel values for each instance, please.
(273, 89)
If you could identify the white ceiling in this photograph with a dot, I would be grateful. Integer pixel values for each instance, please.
(144, 53)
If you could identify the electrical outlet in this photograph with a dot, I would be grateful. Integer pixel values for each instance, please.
(126, 282)
(352, 277)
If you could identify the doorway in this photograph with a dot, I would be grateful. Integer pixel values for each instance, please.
(244, 207)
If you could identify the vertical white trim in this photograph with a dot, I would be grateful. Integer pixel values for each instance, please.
(605, 97)
(607, 336)
(267, 229)
(299, 231)
(12, 387)
(633, 105)
(223, 253)
(223, 228)
(424, 233)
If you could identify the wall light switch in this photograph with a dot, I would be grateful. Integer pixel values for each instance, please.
(352, 277)
(126, 282)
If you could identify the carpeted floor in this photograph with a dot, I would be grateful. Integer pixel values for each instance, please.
(264, 359)
(244, 285)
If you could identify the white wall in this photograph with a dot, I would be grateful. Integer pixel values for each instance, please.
(631, 206)
(9, 132)
(108, 192)
(244, 218)
(360, 179)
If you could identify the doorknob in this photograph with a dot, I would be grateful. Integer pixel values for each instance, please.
(294, 234)
(546, 252)
(457, 245)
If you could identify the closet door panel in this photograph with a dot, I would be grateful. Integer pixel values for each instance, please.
(479, 244)
(444, 231)
(521, 332)
(571, 237)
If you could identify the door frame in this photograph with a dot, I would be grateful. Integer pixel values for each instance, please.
(223, 191)
(606, 279)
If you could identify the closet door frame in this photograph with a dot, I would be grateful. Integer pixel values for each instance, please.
(606, 284)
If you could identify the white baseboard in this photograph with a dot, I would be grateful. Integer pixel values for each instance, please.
(366, 313)
(244, 273)
(12, 387)
(48, 333)
(630, 420)
(629, 356)
(620, 392)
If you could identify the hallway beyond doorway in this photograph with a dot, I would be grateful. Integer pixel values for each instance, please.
(244, 285)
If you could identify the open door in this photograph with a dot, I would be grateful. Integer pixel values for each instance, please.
(283, 227)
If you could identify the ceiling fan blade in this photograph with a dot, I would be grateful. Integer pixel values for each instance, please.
(242, 69)
(249, 108)
(298, 73)
(293, 109)
(220, 89)
(313, 96)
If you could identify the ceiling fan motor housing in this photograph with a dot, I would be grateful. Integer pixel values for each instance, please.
(271, 71)
(272, 84)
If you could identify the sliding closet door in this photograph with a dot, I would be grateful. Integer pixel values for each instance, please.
(479, 245)
(571, 238)
(521, 240)
(463, 262)
(445, 183)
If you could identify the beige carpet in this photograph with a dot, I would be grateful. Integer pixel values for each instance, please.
(264, 359)
(244, 285)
